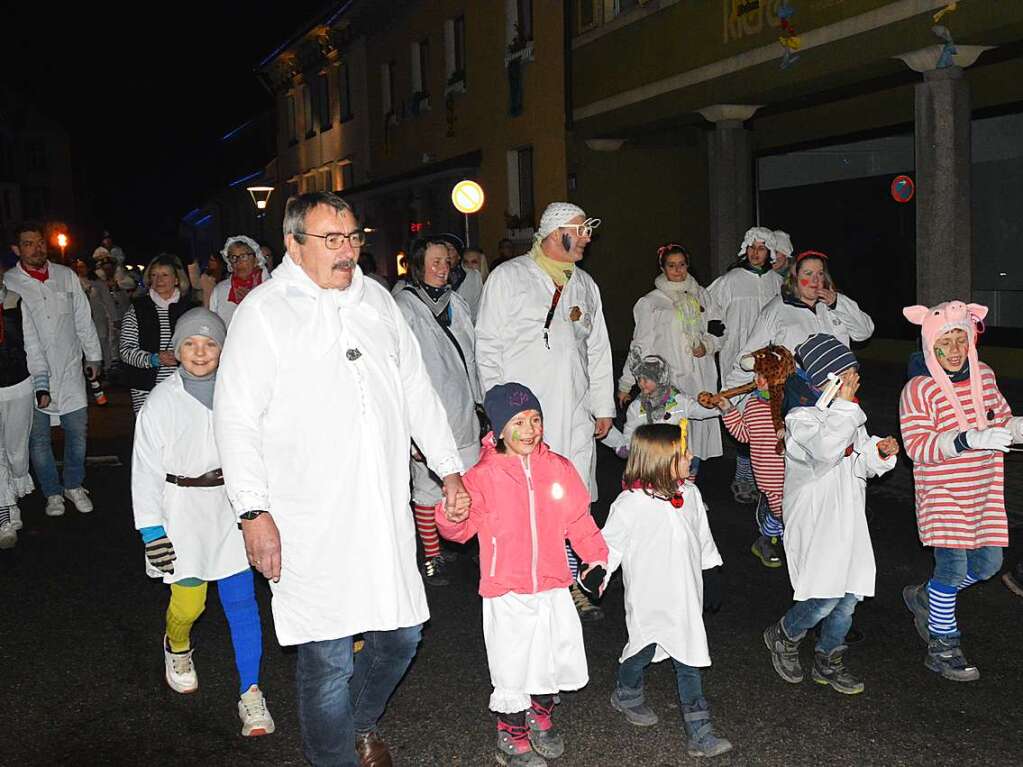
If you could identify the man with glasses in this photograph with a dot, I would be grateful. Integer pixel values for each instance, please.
(541, 323)
(248, 267)
(320, 390)
(61, 333)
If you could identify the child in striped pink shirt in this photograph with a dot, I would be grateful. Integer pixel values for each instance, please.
(955, 425)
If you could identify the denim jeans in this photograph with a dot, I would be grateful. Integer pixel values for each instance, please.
(41, 451)
(952, 565)
(630, 679)
(836, 613)
(339, 696)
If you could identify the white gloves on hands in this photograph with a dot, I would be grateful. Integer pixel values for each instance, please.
(1015, 426)
(993, 438)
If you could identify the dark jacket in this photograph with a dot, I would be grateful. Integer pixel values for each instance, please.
(13, 366)
(149, 336)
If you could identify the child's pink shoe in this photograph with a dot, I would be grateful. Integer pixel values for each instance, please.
(513, 748)
(544, 736)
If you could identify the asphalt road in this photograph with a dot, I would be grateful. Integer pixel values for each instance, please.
(81, 678)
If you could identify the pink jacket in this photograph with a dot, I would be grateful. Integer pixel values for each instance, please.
(523, 512)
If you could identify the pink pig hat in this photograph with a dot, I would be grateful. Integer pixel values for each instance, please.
(935, 322)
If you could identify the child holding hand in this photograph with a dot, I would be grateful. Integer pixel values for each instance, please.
(829, 455)
(657, 531)
(525, 502)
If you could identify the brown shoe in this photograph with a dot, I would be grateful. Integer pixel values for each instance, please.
(372, 751)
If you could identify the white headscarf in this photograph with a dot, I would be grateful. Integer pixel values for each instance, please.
(251, 243)
(781, 244)
(558, 214)
(757, 233)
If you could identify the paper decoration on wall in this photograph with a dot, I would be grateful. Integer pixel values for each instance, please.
(948, 50)
(789, 40)
(903, 189)
(947, 9)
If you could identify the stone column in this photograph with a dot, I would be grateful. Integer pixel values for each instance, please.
(730, 181)
(944, 246)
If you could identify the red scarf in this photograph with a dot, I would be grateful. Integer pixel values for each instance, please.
(39, 274)
(241, 287)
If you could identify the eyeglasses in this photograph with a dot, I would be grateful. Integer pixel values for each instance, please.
(335, 240)
(584, 229)
(241, 257)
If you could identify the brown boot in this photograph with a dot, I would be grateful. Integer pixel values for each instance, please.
(372, 751)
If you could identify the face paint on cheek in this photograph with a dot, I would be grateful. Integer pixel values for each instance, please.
(515, 435)
(939, 353)
(804, 282)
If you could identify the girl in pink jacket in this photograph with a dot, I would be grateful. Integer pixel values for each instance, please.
(526, 500)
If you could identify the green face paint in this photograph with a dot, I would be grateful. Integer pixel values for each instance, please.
(515, 435)
(939, 353)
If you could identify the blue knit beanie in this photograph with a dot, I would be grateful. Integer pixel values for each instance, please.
(821, 354)
(505, 401)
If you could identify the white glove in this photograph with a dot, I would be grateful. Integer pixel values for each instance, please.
(994, 438)
(1015, 426)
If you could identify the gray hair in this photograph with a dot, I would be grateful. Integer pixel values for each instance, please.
(300, 206)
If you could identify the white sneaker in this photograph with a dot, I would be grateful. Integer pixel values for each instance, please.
(79, 496)
(8, 536)
(181, 676)
(255, 716)
(16, 517)
(54, 505)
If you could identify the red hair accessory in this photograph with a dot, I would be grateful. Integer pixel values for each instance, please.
(665, 249)
(811, 254)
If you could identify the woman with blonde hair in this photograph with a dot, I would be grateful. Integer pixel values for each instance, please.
(148, 326)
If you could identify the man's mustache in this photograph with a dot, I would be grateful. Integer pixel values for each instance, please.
(344, 263)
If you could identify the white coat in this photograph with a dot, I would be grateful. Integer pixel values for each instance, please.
(318, 395)
(220, 305)
(789, 322)
(827, 542)
(64, 332)
(573, 379)
(458, 390)
(740, 294)
(471, 290)
(663, 552)
(660, 331)
(174, 435)
(678, 407)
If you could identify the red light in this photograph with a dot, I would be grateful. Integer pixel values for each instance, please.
(416, 227)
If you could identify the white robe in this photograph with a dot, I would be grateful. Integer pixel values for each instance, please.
(471, 290)
(318, 395)
(62, 332)
(174, 435)
(827, 541)
(785, 324)
(741, 295)
(659, 331)
(573, 379)
(663, 552)
(683, 406)
(219, 303)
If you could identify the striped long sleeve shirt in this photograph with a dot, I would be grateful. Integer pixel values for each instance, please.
(133, 354)
(960, 497)
(755, 427)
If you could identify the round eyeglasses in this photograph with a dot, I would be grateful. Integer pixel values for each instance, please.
(335, 240)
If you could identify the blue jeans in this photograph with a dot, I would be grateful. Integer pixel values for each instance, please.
(630, 679)
(40, 449)
(952, 565)
(339, 696)
(836, 613)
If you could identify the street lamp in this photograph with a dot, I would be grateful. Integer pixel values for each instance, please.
(260, 196)
(62, 244)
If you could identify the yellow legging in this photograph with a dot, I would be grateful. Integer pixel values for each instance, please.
(188, 600)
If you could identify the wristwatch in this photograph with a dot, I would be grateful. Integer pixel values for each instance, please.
(250, 515)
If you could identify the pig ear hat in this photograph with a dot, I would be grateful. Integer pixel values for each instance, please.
(935, 322)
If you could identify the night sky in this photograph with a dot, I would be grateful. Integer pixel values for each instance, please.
(145, 95)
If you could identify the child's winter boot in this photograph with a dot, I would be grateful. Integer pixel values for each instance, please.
(543, 735)
(917, 603)
(702, 741)
(945, 657)
(632, 705)
(829, 668)
(513, 748)
(784, 653)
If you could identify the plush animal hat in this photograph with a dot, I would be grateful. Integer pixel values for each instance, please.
(935, 322)
(776, 364)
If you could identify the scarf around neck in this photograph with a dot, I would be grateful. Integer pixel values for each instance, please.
(160, 302)
(200, 387)
(240, 287)
(37, 274)
(655, 407)
(437, 300)
(687, 305)
(559, 271)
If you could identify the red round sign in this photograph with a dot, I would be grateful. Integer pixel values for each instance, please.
(903, 189)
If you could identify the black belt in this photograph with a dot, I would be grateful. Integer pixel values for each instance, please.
(214, 478)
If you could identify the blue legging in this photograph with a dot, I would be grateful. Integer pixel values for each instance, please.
(238, 598)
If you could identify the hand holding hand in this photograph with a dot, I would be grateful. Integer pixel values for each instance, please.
(168, 360)
(623, 398)
(43, 399)
(592, 578)
(263, 545)
(160, 553)
(601, 427)
(888, 447)
(993, 438)
(457, 500)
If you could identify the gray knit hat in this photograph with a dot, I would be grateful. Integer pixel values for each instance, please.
(198, 322)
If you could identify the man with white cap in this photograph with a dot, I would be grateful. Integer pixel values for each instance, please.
(541, 323)
(742, 292)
